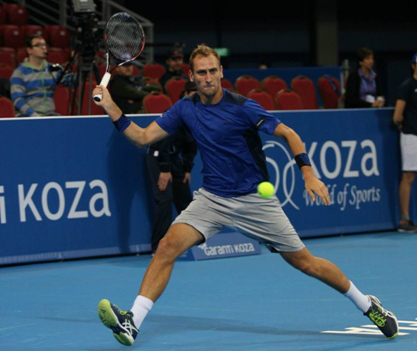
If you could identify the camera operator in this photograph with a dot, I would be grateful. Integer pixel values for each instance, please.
(33, 82)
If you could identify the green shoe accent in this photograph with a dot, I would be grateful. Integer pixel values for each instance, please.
(377, 318)
(106, 314)
(120, 322)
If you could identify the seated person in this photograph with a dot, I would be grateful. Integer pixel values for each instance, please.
(174, 61)
(33, 83)
(128, 89)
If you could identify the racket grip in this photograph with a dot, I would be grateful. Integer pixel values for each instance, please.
(104, 82)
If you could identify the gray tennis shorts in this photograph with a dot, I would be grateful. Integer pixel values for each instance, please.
(255, 217)
(408, 144)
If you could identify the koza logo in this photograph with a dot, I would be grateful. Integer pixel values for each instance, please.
(54, 201)
(330, 160)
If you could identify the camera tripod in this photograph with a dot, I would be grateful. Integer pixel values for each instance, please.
(85, 73)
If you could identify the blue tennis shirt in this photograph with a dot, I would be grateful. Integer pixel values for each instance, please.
(228, 140)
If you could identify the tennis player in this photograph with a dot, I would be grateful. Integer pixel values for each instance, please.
(225, 126)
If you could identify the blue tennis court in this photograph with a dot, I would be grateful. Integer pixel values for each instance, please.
(256, 303)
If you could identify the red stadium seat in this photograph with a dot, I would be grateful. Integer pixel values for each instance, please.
(62, 100)
(156, 103)
(88, 101)
(8, 56)
(174, 87)
(32, 29)
(185, 68)
(58, 36)
(21, 54)
(3, 18)
(6, 108)
(101, 69)
(57, 55)
(153, 70)
(245, 83)
(286, 99)
(16, 14)
(262, 98)
(12, 36)
(227, 84)
(273, 84)
(329, 89)
(304, 87)
(48, 28)
(6, 71)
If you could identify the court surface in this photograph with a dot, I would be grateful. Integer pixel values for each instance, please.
(253, 303)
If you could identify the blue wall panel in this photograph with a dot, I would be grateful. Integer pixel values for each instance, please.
(74, 187)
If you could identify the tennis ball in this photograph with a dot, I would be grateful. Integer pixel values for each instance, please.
(266, 189)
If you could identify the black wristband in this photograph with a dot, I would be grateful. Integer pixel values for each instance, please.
(122, 123)
(302, 160)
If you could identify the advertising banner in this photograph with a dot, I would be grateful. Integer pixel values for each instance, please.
(74, 187)
(355, 153)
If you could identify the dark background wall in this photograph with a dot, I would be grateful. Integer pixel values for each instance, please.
(285, 34)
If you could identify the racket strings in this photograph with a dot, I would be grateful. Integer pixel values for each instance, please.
(124, 37)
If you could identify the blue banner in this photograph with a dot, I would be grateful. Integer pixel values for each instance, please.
(355, 153)
(74, 187)
(71, 187)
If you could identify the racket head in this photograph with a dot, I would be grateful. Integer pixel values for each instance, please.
(124, 37)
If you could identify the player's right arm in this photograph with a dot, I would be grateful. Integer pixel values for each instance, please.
(135, 134)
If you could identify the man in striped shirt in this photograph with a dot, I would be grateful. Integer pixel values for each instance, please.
(33, 83)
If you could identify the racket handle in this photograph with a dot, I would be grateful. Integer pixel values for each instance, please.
(104, 82)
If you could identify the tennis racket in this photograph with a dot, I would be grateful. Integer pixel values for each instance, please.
(124, 40)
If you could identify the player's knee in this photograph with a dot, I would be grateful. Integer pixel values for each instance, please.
(167, 248)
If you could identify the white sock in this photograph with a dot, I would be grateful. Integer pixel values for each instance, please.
(140, 309)
(361, 301)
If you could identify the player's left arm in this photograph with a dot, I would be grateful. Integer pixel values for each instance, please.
(398, 117)
(312, 184)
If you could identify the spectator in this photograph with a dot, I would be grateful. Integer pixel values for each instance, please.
(128, 89)
(189, 89)
(169, 163)
(174, 61)
(405, 116)
(33, 83)
(363, 86)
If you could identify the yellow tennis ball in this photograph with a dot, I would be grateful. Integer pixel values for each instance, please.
(266, 189)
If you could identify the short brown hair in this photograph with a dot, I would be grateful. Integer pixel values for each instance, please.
(363, 53)
(202, 50)
(28, 40)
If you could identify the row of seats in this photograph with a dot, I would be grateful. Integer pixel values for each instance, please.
(13, 35)
(63, 102)
(273, 94)
(12, 57)
(301, 93)
(282, 99)
(304, 87)
(157, 102)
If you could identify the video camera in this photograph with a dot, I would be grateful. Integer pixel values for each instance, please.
(89, 30)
